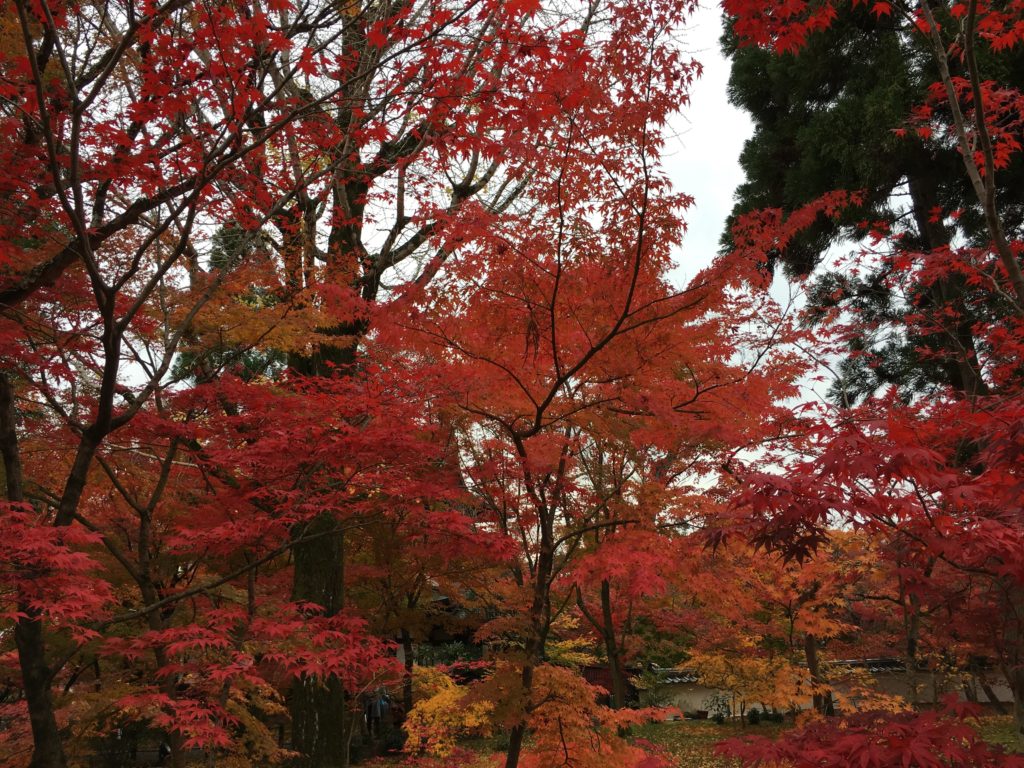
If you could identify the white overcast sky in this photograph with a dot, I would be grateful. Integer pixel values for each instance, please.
(703, 158)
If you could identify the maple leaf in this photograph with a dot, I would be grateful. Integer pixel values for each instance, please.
(523, 7)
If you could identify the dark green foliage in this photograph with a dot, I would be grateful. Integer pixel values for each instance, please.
(720, 705)
(122, 744)
(823, 121)
(826, 119)
(230, 246)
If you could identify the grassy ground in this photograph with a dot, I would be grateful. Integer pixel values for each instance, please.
(999, 730)
(692, 742)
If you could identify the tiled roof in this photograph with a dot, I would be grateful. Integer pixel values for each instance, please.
(672, 676)
(679, 675)
(873, 666)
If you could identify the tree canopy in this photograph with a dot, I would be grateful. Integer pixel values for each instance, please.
(349, 403)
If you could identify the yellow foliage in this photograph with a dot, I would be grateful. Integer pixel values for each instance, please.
(856, 690)
(428, 682)
(774, 682)
(446, 713)
(255, 743)
(567, 724)
(808, 716)
(11, 42)
(571, 652)
(560, 712)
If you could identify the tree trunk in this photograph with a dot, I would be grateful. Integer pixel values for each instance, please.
(47, 750)
(1013, 658)
(822, 700)
(320, 723)
(318, 707)
(615, 663)
(407, 677)
(540, 618)
(912, 627)
(515, 745)
(993, 699)
(1016, 681)
(957, 339)
(518, 732)
(36, 676)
